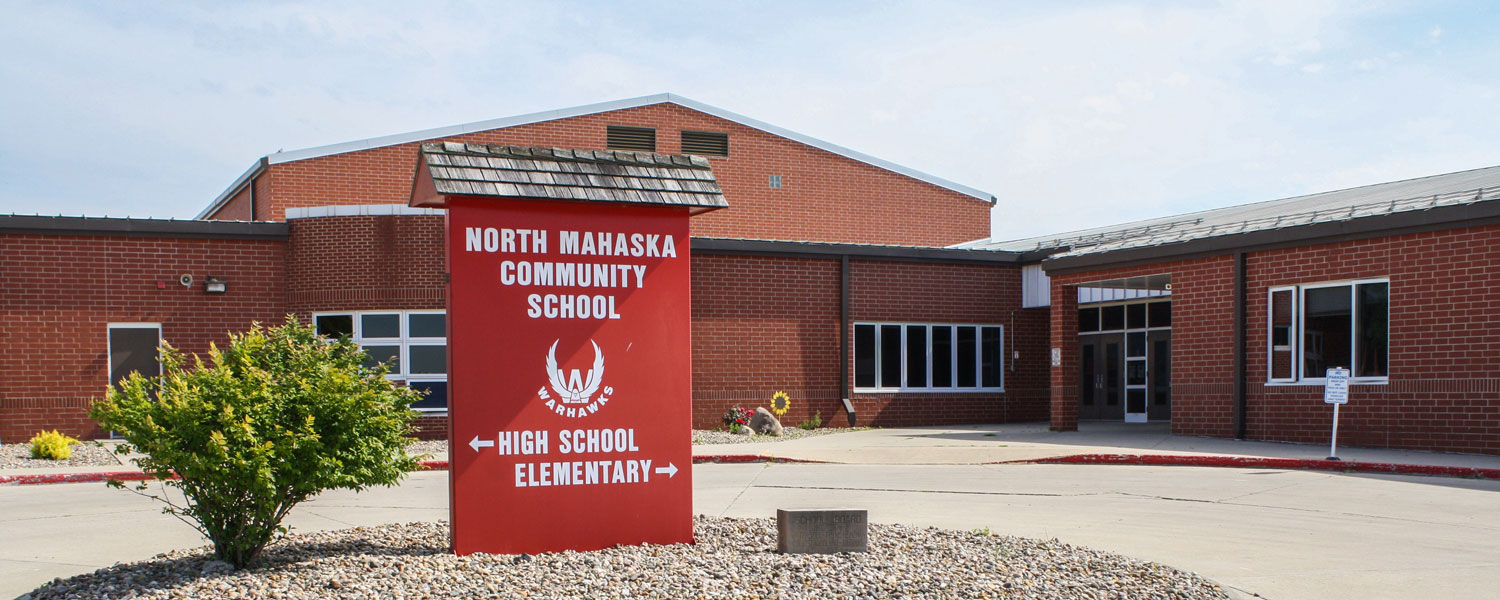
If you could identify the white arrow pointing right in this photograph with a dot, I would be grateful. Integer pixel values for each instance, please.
(670, 470)
(477, 443)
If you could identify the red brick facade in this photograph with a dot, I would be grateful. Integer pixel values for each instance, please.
(62, 291)
(824, 196)
(1443, 390)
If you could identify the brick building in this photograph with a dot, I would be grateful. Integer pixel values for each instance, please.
(833, 275)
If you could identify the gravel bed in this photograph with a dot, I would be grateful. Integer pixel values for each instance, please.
(733, 558)
(86, 454)
(715, 436)
(435, 449)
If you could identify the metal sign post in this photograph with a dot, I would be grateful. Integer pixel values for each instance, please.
(1335, 392)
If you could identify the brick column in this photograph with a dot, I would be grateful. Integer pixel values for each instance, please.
(1064, 340)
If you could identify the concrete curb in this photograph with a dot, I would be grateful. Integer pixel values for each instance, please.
(1252, 462)
(426, 465)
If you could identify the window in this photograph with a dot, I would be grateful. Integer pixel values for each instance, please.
(413, 343)
(706, 143)
(911, 357)
(133, 349)
(1312, 328)
(620, 137)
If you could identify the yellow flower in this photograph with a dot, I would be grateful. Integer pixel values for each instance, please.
(780, 403)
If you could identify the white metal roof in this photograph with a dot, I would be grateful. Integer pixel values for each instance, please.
(563, 113)
(1421, 193)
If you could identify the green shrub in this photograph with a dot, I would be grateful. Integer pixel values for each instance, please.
(273, 419)
(52, 445)
(815, 422)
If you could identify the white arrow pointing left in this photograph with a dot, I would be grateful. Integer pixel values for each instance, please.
(477, 443)
(670, 470)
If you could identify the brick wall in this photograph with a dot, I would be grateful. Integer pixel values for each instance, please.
(824, 196)
(62, 291)
(365, 263)
(1444, 358)
(1444, 348)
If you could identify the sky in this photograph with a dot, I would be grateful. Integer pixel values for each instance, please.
(1073, 114)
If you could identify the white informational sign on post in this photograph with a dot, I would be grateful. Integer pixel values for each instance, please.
(1335, 392)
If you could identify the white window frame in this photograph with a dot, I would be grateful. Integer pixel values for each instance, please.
(1299, 295)
(110, 350)
(1294, 337)
(404, 341)
(953, 350)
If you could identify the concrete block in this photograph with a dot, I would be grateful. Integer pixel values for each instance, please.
(822, 531)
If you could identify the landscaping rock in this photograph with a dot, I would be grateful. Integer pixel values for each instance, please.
(765, 423)
(745, 430)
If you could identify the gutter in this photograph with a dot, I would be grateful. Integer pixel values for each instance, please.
(857, 251)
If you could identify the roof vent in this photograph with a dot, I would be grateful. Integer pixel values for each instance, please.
(707, 143)
(620, 137)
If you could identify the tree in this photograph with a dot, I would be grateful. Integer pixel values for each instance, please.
(277, 417)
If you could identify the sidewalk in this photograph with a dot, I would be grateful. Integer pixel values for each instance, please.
(1026, 442)
(1093, 443)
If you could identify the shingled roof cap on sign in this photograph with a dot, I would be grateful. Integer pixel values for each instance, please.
(453, 168)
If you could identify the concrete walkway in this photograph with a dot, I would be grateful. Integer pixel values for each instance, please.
(983, 444)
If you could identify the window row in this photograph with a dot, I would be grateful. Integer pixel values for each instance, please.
(927, 357)
(412, 343)
(1312, 328)
(1118, 317)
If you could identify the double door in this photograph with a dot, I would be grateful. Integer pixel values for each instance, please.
(1125, 376)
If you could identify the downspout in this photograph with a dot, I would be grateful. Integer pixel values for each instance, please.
(844, 355)
(1240, 401)
(252, 197)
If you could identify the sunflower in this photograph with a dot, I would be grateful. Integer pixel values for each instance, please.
(780, 403)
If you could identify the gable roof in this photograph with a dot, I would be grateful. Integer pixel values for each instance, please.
(554, 173)
(1338, 206)
(576, 111)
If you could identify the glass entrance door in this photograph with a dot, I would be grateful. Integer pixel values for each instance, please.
(1100, 393)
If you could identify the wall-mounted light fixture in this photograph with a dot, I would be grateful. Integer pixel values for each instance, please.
(214, 285)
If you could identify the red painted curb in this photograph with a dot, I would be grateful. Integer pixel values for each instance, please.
(1272, 463)
(749, 458)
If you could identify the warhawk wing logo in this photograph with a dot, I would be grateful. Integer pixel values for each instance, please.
(575, 390)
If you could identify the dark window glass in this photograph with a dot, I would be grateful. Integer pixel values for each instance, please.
(427, 359)
(426, 325)
(1135, 401)
(1112, 374)
(1135, 372)
(1088, 320)
(390, 355)
(1160, 314)
(1374, 329)
(890, 356)
(942, 356)
(380, 326)
(133, 349)
(1161, 373)
(1281, 335)
(967, 353)
(1135, 316)
(989, 357)
(335, 326)
(916, 356)
(864, 356)
(436, 395)
(1087, 383)
(1135, 344)
(1114, 318)
(1327, 320)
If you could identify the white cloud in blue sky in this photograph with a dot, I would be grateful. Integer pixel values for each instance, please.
(1074, 115)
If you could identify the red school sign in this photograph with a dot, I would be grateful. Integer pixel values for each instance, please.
(570, 375)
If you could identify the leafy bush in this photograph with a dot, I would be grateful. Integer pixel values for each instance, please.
(815, 422)
(52, 445)
(273, 419)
